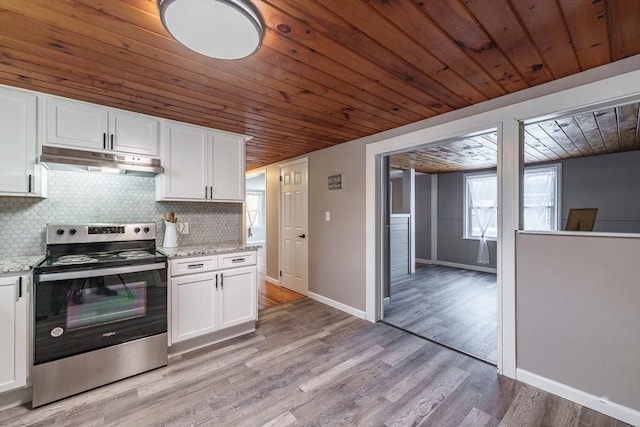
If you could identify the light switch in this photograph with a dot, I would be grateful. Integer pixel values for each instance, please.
(327, 216)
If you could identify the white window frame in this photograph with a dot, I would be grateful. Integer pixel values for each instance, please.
(558, 191)
(466, 221)
(261, 211)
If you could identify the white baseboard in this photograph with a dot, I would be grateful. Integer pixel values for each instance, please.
(467, 266)
(15, 398)
(424, 261)
(272, 280)
(335, 304)
(612, 409)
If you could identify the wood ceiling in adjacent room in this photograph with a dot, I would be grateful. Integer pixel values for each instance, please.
(329, 71)
(606, 131)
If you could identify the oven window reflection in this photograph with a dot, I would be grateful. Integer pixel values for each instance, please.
(107, 299)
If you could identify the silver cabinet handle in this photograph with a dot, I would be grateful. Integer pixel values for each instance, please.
(205, 192)
(112, 141)
(190, 266)
(238, 260)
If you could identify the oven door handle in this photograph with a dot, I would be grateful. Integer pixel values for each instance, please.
(50, 277)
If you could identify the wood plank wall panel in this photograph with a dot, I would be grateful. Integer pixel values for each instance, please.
(329, 71)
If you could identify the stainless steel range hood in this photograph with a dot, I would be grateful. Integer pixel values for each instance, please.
(78, 160)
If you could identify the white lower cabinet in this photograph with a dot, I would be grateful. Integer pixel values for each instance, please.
(194, 302)
(14, 332)
(206, 299)
(237, 302)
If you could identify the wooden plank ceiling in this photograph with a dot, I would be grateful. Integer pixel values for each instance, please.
(329, 71)
(606, 131)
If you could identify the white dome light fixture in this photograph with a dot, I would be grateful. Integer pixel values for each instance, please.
(223, 29)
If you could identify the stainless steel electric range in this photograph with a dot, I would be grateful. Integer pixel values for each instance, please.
(100, 308)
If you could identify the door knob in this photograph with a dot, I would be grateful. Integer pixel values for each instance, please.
(302, 236)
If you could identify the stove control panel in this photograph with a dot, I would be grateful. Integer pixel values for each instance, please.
(109, 229)
(90, 233)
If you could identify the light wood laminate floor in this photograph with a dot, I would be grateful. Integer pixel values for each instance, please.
(309, 365)
(452, 306)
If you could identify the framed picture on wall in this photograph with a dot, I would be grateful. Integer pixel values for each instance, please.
(581, 219)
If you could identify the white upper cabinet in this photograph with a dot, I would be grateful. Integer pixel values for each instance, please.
(184, 158)
(19, 172)
(78, 125)
(226, 173)
(134, 133)
(200, 164)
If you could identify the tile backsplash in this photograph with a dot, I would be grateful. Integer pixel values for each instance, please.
(87, 197)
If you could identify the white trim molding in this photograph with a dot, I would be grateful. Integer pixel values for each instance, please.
(467, 266)
(605, 406)
(272, 280)
(335, 304)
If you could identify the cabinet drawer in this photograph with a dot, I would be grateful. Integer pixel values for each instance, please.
(237, 259)
(193, 265)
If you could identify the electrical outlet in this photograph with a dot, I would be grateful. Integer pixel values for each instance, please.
(185, 228)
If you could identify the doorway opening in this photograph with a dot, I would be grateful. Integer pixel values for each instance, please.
(270, 294)
(442, 203)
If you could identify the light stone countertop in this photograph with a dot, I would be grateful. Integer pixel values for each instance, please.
(16, 264)
(207, 249)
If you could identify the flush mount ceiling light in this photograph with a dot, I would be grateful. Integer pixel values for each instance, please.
(223, 29)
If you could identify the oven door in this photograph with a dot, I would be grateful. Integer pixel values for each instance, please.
(80, 311)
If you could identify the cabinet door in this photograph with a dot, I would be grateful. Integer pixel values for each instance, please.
(237, 301)
(184, 157)
(133, 133)
(193, 311)
(76, 125)
(227, 166)
(17, 141)
(13, 330)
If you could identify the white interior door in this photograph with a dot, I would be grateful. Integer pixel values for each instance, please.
(294, 234)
